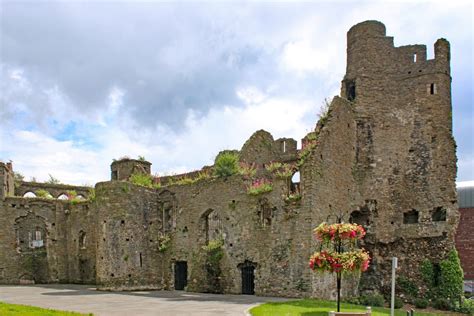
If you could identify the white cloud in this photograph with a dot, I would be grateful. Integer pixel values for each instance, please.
(37, 155)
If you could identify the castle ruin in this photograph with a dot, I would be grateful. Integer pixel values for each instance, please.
(384, 155)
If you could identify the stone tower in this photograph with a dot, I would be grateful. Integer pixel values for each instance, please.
(405, 160)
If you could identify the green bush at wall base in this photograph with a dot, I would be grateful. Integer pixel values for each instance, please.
(421, 303)
(372, 300)
(398, 303)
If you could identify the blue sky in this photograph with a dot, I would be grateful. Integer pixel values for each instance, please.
(85, 82)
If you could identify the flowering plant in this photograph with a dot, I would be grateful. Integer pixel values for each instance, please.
(351, 261)
(339, 231)
(259, 186)
(248, 170)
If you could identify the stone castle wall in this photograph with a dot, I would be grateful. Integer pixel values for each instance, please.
(383, 157)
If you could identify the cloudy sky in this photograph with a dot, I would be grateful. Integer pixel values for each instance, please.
(82, 83)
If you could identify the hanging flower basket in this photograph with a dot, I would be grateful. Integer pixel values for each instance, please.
(340, 231)
(331, 261)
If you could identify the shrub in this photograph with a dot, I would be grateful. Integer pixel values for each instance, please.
(421, 303)
(214, 250)
(226, 164)
(467, 307)
(442, 304)
(398, 303)
(91, 195)
(407, 286)
(18, 179)
(451, 278)
(164, 242)
(71, 194)
(43, 194)
(427, 272)
(53, 180)
(372, 300)
(141, 179)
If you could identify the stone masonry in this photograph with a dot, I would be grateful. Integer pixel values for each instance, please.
(384, 156)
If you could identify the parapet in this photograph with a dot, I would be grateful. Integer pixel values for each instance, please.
(122, 169)
(366, 29)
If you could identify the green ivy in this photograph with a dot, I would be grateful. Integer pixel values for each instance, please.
(407, 286)
(427, 273)
(444, 280)
(451, 278)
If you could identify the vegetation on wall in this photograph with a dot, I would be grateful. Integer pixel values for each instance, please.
(259, 186)
(41, 193)
(307, 147)
(164, 242)
(443, 283)
(18, 178)
(281, 170)
(293, 197)
(214, 253)
(226, 164)
(52, 180)
(91, 195)
(141, 179)
(247, 170)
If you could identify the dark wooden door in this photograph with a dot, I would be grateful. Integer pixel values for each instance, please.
(180, 275)
(248, 278)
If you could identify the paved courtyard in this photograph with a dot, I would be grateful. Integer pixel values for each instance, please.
(83, 298)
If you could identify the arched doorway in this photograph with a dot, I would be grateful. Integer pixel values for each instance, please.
(248, 277)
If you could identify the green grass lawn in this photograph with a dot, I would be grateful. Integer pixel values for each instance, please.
(23, 310)
(313, 307)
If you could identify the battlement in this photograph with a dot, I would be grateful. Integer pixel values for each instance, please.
(371, 53)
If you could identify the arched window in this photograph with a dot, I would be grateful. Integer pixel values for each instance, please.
(167, 206)
(266, 213)
(29, 195)
(63, 197)
(82, 239)
(212, 225)
(295, 183)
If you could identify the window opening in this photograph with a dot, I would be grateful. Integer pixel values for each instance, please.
(410, 217)
(433, 89)
(82, 240)
(29, 195)
(438, 215)
(350, 90)
(414, 57)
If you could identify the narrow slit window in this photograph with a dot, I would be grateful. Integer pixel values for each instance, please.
(141, 260)
(414, 57)
(284, 146)
(433, 89)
